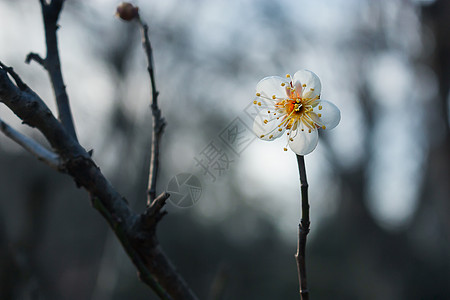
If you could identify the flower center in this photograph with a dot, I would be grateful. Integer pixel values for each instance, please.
(296, 110)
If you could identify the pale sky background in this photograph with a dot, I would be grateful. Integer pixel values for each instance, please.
(325, 44)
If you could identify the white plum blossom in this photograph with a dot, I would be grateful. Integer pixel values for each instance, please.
(293, 105)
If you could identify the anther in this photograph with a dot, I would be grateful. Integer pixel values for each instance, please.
(285, 149)
(270, 136)
(323, 127)
(258, 94)
(259, 103)
(280, 129)
(319, 115)
(283, 84)
(320, 107)
(309, 130)
(303, 85)
(288, 76)
(254, 102)
(261, 136)
(291, 139)
(312, 89)
(274, 97)
(303, 129)
(265, 121)
(268, 111)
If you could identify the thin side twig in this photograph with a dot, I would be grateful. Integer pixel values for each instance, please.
(158, 121)
(303, 230)
(9, 70)
(37, 58)
(50, 158)
(50, 13)
(173, 282)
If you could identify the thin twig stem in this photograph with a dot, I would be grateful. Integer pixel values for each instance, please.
(158, 122)
(303, 230)
(50, 13)
(50, 158)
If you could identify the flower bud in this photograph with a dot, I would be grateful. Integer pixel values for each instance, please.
(127, 11)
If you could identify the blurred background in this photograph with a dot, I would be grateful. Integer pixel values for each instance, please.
(379, 182)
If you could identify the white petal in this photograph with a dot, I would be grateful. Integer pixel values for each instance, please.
(298, 89)
(267, 131)
(303, 142)
(272, 85)
(329, 114)
(313, 86)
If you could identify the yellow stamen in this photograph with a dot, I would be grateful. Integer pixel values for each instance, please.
(288, 76)
(270, 136)
(268, 111)
(291, 139)
(254, 102)
(261, 136)
(309, 130)
(280, 129)
(323, 127)
(283, 84)
(320, 107)
(303, 85)
(319, 115)
(274, 97)
(312, 89)
(303, 129)
(285, 149)
(259, 103)
(258, 94)
(265, 121)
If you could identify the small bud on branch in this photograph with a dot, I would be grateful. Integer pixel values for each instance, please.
(127, 11)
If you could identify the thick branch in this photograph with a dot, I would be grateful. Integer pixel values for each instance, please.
(50, 13)
(31, 145)
(30, 108)
(303, 231)
(158, 122)
(132, 230)
(127, 244)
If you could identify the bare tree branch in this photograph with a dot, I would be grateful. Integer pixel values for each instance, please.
(30, 145)
(50, 13)
(127, 243)
(303, 230)
(136, 233)
(158, 122)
